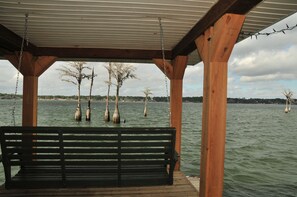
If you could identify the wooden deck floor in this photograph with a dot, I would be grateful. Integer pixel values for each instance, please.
(181, 187)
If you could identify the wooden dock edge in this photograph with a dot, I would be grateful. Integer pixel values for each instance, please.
(181, 187)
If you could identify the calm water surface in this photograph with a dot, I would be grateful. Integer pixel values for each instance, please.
(261, 144)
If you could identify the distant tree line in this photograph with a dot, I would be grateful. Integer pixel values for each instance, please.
(151, 99)
(256, 101)
(10, 96)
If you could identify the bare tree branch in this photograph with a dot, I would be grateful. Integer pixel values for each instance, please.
(70, 81)
(147, 92)
(73, 73)
(120, 72)
(74, 70)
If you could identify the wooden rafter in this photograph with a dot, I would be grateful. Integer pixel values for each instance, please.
(10, 41)
(165, 67)
(31, 65)
(187, 43)
(89, 53)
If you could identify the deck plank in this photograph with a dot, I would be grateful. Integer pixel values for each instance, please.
(181, 187)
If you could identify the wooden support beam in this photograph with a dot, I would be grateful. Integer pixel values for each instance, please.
(11, 42)
(30, 94)
(179, 65)
(215, 47)
(100, 53)
(42, 63)
(31, 65)
(31, 68)
(176, 103)
(187, 44)
(165, 67)
(175, 72)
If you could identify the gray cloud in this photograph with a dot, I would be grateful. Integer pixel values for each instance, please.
(267, 65)
(193, 80)
(8, 78)
(268, 59)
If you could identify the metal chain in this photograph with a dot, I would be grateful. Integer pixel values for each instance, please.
(164, 66)
(19, 66)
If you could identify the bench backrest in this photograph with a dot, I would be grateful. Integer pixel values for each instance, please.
(113, 149)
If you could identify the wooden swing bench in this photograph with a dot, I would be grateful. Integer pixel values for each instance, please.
(55, 157)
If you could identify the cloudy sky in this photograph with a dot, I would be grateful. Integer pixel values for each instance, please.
(258, 68)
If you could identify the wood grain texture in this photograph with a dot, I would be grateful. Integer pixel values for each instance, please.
(187, 43)
(31, 65)
(181, 187)
(215, 47)
(30, 101)
(175, 72)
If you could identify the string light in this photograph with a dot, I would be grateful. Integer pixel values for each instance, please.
(256, 35)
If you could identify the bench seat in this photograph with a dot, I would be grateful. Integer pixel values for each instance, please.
(55, 157)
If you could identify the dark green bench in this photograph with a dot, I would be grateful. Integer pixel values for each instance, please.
(54, 157)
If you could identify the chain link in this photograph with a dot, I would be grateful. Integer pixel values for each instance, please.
(164, 66)
(19, 67)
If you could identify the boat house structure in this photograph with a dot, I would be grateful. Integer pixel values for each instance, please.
(128, 31)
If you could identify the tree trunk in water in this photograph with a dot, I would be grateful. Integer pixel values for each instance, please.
(145, 112)
(116, 114)
(77, 115)
(286, 109)
(145, 108)
(88, 112)
(106, 115)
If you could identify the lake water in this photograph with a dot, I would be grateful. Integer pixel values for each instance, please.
(261, 143)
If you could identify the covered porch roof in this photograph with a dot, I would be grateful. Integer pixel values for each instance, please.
(125, 30)
(101, 30)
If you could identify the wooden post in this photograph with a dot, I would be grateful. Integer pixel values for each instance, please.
(175, 72)
(215, 47)
(31, 68)
(30, 95)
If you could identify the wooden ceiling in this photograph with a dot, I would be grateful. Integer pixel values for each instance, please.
(129, 30)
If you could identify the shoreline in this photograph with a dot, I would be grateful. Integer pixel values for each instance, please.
(129, 99)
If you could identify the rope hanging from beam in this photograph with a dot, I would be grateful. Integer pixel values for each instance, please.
(19, 66)
(164, 66)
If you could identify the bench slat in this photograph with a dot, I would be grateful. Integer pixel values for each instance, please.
(33, 150)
